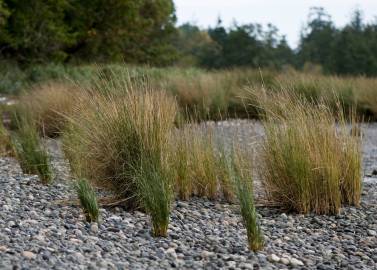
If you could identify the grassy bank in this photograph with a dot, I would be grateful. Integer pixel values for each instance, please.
(204, 94)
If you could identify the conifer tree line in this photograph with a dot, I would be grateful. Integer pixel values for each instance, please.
(146, 32)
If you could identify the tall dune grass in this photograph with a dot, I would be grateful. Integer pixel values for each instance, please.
(311, 163)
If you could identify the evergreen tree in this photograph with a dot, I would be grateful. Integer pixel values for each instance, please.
(317, 39)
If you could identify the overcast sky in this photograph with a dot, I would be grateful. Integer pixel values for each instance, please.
(288, 15)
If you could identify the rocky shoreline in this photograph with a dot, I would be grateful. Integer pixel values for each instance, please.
(39, 232)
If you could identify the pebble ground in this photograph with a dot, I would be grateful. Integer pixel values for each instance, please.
(37, 232)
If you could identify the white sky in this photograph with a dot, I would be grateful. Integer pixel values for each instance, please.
(288, 15)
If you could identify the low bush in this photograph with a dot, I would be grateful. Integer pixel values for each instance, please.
(32, 155)
(88, 200)
(311, 163)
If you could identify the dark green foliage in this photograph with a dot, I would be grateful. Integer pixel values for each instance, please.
(36, 30)
(246, 45)
(88, 200)
(33, 157)
(349, 50)
(4, 13)
(355, 48)
(133, 31)
(144, 32)
(68, 30)
(193, 44)
(317, 39)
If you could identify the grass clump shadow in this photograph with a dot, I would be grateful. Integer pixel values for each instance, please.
(310, 162)
(88, 200)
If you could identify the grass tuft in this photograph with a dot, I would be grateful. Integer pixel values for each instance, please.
(156, 193)
(240, 173)
(199, 167)
(310, 162)
(88, 200)
(49, 104)
(6, 146)
(32, 155)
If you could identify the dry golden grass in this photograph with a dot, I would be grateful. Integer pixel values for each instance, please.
(49, 104)
(310, 162)
(353, 92)
(212, 95)
(202, 94)
(200, 167)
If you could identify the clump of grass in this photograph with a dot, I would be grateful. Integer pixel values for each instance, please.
(199, 166)
(30, 152)
(225, 175)
(181, 160)
(156, 193)
(310, 162)
(119, 137)
(49, 104)
(88, 200)
(203, 165)
(351, 184)
(6, 146)
(240, 173)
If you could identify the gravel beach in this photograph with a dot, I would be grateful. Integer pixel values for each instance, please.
(38, 232)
